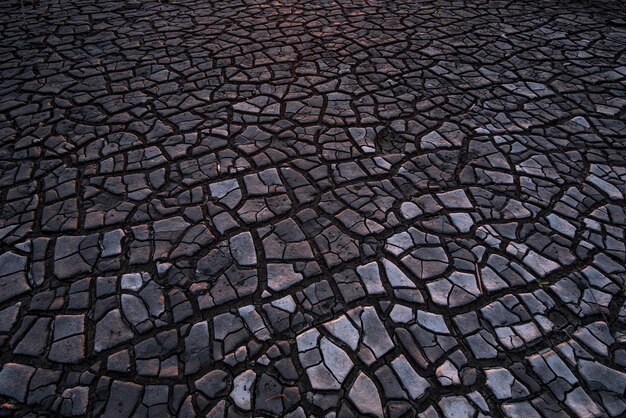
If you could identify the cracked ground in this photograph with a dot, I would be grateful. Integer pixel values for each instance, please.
(312, 208)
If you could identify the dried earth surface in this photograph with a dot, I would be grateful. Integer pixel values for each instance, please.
(312, 208)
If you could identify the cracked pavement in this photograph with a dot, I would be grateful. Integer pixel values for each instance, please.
(312, 208)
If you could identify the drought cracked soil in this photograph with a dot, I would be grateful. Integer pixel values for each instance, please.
(312, 208)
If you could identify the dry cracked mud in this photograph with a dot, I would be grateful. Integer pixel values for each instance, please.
(312, 208)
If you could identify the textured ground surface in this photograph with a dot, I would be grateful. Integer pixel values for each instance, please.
(313, 209)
